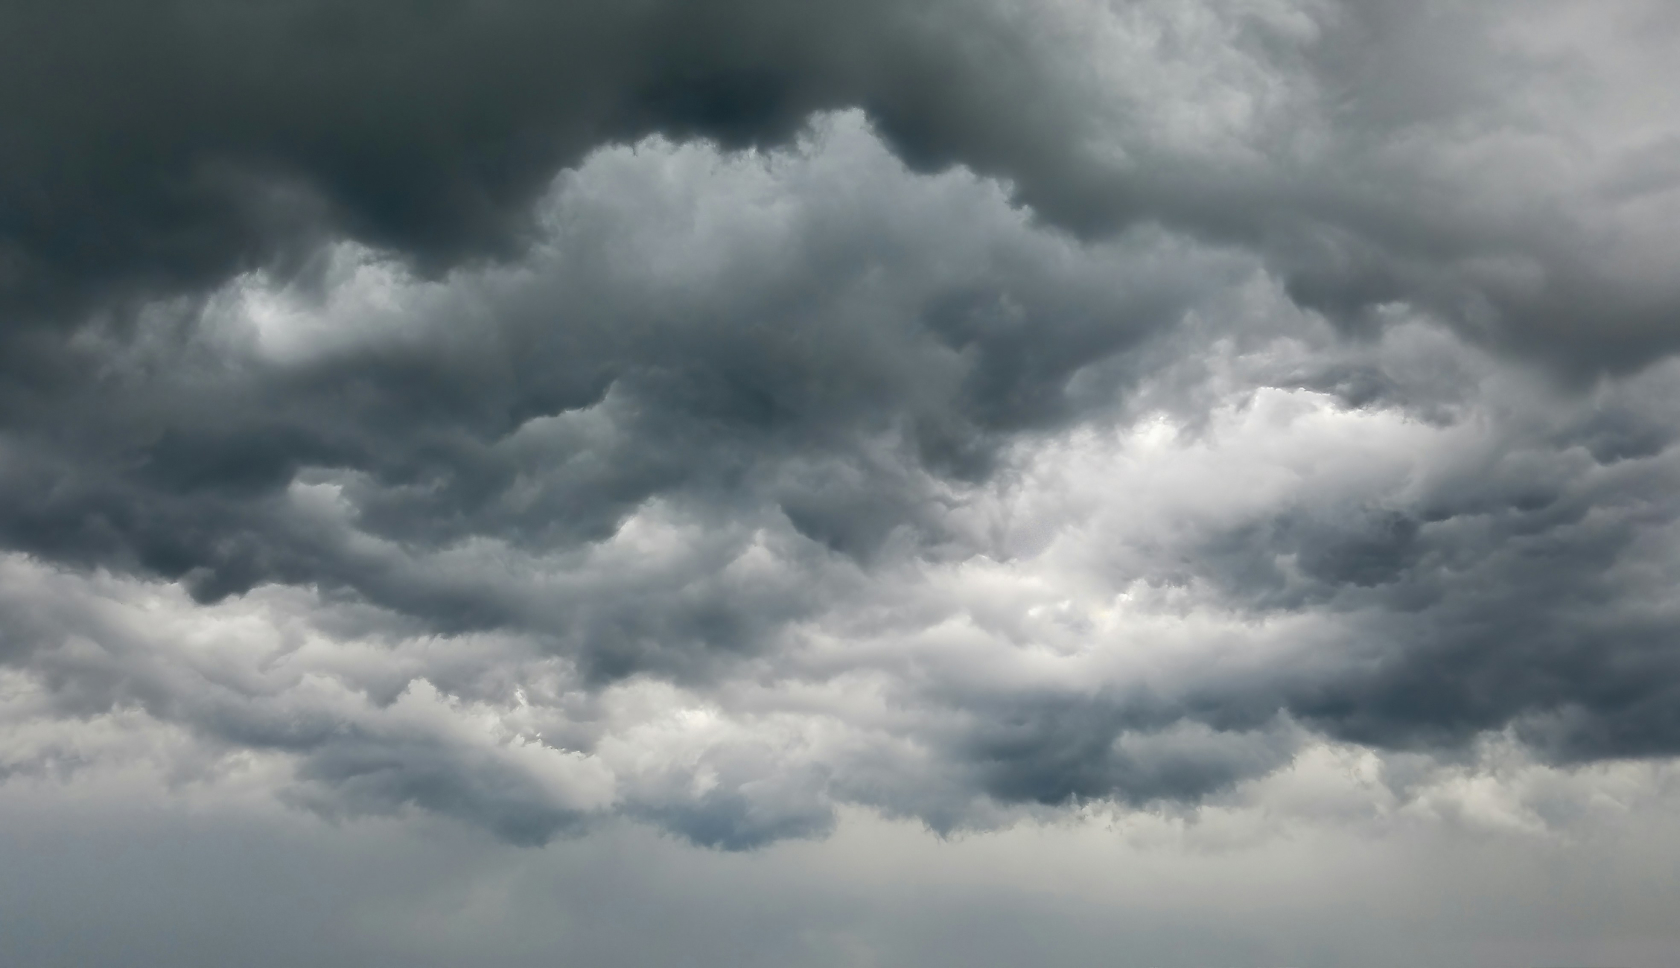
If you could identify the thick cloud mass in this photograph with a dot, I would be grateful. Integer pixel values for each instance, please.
(720, 414)
(1507, 164)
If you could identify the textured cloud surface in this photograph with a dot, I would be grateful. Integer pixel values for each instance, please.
(729, 417)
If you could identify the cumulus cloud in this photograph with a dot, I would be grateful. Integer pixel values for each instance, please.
(723, 417)
(1503, 163)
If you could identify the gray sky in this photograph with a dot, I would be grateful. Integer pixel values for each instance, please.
(1177, 483)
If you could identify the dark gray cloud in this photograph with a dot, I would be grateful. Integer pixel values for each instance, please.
(812, 353)
(718, 414)
(1457, 156)
(160, 150)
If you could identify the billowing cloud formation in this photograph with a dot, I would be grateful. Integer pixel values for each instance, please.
(1084, 403)
(1510, 164)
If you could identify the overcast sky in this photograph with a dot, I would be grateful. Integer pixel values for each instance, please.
(1161, 483)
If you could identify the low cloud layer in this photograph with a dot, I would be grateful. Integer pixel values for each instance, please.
(722, 418)
(1509, 165)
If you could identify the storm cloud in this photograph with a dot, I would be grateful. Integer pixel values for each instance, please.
(725, 415)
